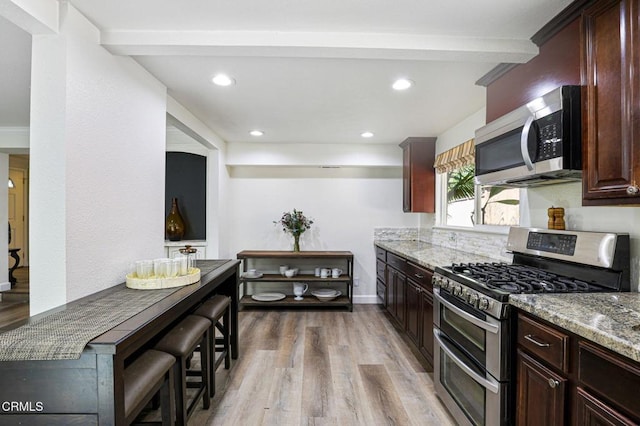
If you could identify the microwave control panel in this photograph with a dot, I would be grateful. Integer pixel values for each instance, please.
(549, 132)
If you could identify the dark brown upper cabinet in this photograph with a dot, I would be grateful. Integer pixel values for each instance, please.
(418, 175)
(610, 49)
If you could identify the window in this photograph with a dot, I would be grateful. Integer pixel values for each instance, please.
(462, 203)
(460, 197)
(498, 205)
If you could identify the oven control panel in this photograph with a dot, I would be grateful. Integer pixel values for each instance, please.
(552, 243)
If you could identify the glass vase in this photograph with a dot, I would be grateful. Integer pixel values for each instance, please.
(296, 243)
(174, 228)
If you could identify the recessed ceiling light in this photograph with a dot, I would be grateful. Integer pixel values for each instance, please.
(402, 84)
(366, 134)
(223, 80)
(256, 133)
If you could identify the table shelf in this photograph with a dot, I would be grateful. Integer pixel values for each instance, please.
(268, 262)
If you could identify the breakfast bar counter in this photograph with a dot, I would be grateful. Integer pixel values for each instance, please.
(46, 380)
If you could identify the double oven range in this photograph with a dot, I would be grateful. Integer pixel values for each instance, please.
(473, 326)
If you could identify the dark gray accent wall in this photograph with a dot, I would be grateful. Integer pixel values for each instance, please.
(186, 179)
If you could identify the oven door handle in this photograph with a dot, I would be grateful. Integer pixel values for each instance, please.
(491, 386)
(491, 328)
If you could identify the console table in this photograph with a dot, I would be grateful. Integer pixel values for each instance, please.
(268, 263)
(90, 390)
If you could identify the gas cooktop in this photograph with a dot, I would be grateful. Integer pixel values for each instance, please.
(520, 278)
(544, 261)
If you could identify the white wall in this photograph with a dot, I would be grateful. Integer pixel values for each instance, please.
(4, 218)
(346, 205)
(97, 164)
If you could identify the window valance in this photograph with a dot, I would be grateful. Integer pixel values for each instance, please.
(455, 158)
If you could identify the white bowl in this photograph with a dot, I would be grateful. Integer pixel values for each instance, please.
(325, 298)
(325, 292)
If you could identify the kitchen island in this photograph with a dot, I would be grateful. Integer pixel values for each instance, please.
(50, 386)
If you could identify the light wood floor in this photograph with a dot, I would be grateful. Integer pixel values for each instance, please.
(14, 305)
(322, 368)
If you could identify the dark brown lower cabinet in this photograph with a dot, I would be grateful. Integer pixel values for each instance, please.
(590, 411)
(395, 292)
(419, 304)
(563, 378)
(425, 343)
(408, 298)
(541, 394)
(413, 300)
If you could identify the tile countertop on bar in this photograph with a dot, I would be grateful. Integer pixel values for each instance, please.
(609, 319)
(430, 255)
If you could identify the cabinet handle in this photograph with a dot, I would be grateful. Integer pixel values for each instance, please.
(633, 189)
(418, 276)
(530, 338)
(553, 383)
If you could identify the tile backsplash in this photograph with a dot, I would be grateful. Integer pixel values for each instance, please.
(485, 244)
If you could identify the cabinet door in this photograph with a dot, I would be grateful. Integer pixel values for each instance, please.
(391, 291)
(412, 303)
(590, 411)
(381, 291)
(400, 297)
(406, 179)
(541, 394)
(426, 326)
(418, 174)
(611, 108)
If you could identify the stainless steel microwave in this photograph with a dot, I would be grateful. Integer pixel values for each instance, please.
(538, 143)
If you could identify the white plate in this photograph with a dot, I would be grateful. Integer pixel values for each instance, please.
(326, 298)
(268, 297)
(248, 275)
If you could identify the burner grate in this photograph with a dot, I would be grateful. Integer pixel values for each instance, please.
(520, 278)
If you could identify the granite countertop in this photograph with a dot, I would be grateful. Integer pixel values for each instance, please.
(429, 255)
(609, 319)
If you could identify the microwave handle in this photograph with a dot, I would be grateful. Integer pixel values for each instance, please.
(524, 142)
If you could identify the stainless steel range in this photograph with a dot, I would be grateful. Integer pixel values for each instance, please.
(472, 323)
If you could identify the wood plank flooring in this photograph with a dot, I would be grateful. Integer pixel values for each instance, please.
(322, 368)
(14, 304)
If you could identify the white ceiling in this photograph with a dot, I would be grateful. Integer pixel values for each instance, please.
(306, 71)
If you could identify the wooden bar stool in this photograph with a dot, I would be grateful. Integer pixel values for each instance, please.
(181, 342)
(149, 373)
(216, 309)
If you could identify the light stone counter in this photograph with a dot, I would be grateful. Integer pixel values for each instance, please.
(609, 319)
(429, 255)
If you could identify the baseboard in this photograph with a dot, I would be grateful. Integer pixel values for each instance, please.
(5, 286)
(366, 300)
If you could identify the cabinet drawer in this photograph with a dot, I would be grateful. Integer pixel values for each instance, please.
(380, 270)
(396, 261)
(613, 377)
(419, 275)
(545, 342)
(381, 254)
